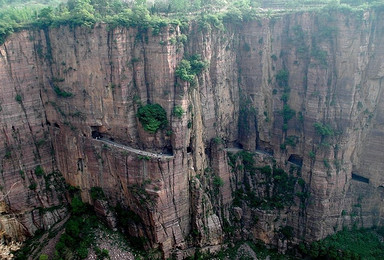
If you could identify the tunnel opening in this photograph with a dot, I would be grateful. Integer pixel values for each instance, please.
(189, 149)
(296, 159)
(168, 150)
(96, 135)
(357, 177)
(80, 165)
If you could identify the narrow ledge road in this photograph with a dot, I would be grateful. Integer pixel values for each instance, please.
(136, 151)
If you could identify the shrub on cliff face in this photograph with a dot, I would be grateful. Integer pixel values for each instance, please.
(323, 129)
(153, 117)
(189, 68)
(178, 111)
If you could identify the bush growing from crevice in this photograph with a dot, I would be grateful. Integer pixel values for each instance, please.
(189, 68)
(97, 193)
(19, 99)
(39, 171)
(282, 78)
(153, 117)
(178, 111)
(288, 113)
(323, 129)
(62, 93)
(218, 182)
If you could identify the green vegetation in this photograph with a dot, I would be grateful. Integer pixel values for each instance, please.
(323, 129)
(247, 113)
(291, 140)
(232, 252)
(19, 99)
(43, 257)
(178, 111)
(153, 117)
(287, 232)
(347, 244)
(39, 171)
(189, 68)
(218, 182)
(272, 187)
(32, 186)
(144, 157)
(126, 218)
(97, 193)
(312, 155)
(282, 77)
(61, 93)
(319, 55)
(288, 113)
(17, 14)
(78, 236)
(8, 152)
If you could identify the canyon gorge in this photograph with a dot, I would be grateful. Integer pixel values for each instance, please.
(280, 137)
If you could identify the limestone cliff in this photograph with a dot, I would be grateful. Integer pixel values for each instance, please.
(301, 94)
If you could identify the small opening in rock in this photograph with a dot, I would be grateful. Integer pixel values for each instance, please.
(80, 165)
(56, 125)
(359, 178)
(189, 149)
(168, 150)
(296, 159)
(96, 135)
(48, 123)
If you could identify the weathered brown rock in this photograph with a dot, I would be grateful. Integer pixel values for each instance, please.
(335, 77)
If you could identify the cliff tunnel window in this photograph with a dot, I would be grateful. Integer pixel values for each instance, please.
(359, 178)
(189, 149)
(80, 165)
(96, 132)
(296, 159)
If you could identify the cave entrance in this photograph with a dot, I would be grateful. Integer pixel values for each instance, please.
(80, 165)
(169, 150)
(359, 178)
(96, 132)
(296, 159)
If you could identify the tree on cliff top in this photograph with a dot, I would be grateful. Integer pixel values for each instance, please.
(81, 12)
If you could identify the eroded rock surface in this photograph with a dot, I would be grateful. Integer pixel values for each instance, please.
(268, 83)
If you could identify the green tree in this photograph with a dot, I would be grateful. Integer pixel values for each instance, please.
(140, 16)
(179, 5)
(45, 17)
(152, 117)
(81, 12)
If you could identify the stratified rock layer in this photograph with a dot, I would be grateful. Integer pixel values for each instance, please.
(268, 82)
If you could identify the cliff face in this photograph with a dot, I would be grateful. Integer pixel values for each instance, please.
(302, 93)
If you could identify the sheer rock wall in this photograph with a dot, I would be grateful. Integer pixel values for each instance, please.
(335, 71)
